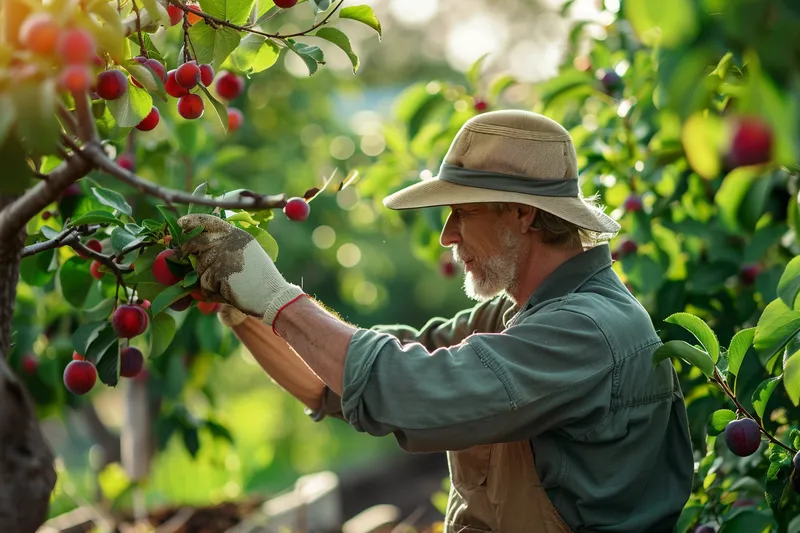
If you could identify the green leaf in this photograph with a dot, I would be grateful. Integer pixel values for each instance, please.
(191, 440)
(122, 238)
(235, 11)
(108, 364)
(311, 55)
(338, 37)
(265, 240)
(162, 331)
(688, 353)
(144, 263)
(762, 394)
(172, 222)
(703, 137)
(668, 24)
(7, 114)
(219, 108)
(86, 335)
(699, 329)
(789, 284)
(363, 14)
(718, 420)
(167, 297)
(75, 281)
(218, 430)
(213, 46)
(740, 343)
(777, 325)
(266, 57)
(35, 269)
(731, 195)
(96, 217)
(748, 521)
(499, 85)
(791, 378)
(131, 108)
(147, 77)
(106, 338)
(320, 5)
(112, 199)
(243, 216)
(200, 192)
(190, 279)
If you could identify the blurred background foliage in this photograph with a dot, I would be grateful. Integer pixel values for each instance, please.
(652, 94)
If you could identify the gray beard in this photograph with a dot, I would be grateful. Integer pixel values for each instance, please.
(494, 275)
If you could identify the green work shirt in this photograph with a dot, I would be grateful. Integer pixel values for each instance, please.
(570, 370)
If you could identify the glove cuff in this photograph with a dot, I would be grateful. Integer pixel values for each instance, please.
(230, 316)
(288, 294)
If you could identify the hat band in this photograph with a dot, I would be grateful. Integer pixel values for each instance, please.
(506, 182)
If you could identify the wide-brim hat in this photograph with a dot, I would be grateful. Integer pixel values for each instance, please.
(509, 156)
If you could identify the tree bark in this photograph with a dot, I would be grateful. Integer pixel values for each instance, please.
(27, 474)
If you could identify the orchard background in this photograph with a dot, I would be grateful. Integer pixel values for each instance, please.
(686, 118)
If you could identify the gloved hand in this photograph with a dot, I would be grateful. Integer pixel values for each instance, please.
(232, 264)
(230, 316)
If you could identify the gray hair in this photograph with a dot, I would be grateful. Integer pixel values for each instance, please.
(555, 230)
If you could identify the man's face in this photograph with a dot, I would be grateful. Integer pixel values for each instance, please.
(484, 242)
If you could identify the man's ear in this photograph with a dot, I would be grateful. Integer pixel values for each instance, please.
(526, 214)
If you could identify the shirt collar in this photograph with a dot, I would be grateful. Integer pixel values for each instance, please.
(567, 277)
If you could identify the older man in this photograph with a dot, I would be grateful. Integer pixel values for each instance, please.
(544, 395)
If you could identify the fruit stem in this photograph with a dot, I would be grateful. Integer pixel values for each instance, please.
(186, 25)
(720, 381)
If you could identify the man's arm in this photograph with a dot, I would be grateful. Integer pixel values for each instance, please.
(277, 358)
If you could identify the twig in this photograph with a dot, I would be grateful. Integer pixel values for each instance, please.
(95, 155)
(142, 49)
(70, 124)
(186, 25)
(87, 128)
(724, 386)
(65, 238)
(212, 21)
(105, 260)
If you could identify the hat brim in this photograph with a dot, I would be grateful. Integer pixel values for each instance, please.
(435, 193)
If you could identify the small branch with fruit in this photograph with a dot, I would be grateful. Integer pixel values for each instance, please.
(67, 237)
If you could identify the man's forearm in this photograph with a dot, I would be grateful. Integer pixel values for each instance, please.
(318, 337)
(278, 360)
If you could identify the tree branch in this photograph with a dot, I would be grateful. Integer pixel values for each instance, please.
(14, 216)
(105, 260)
(214, 21)
(95, 155)
(87, 129)
(67, 237)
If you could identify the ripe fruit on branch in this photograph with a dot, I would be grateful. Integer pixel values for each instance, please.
(188, 75)
(75, 78)
(92, 244)
(208, 308)
(751, 143)
(150, 121)
(235, 119)
(296, 209)
(39, 33)
(748, 274)
(162, 271)
(156, 66)
(190, 106)
(285, 4)
(95, 271)
(126, 162)
(29, 363)
(77, 357)
(111, 84)
(76, 47)
(80, 377)
(229, 85)
(633, 203)
(131, 362)
(175, 14)
(171, 86)
(182, 304)
(206, 75)
(610, 80)
(129, 321)
(480, 105)
(743, 437)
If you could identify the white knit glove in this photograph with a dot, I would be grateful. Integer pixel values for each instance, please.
(232, 264)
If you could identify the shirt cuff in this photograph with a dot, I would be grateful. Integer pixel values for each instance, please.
(365, 346)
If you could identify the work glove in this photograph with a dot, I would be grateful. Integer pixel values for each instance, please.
(230, 263)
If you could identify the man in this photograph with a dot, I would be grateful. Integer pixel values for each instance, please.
(544, 395)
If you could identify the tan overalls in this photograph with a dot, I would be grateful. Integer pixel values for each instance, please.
(495, 488)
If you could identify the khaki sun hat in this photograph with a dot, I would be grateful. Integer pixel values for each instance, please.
(509, 156)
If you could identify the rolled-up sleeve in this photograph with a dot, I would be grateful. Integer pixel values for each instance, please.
(549, 369)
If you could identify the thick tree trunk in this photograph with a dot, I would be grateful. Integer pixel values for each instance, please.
(27, 474)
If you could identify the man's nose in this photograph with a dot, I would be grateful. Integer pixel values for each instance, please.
(450, 234)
